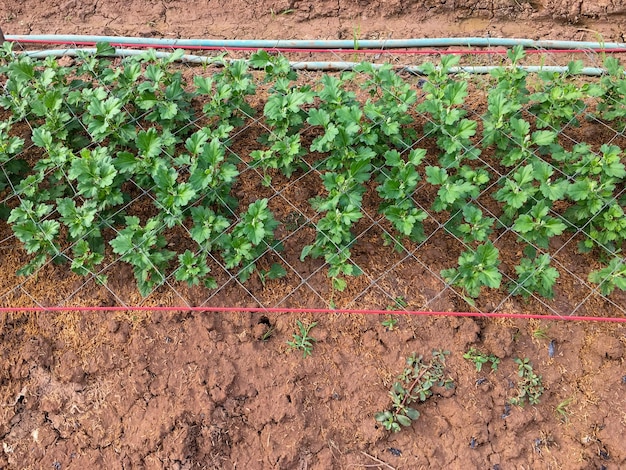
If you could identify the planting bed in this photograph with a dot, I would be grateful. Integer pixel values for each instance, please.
(148, 389)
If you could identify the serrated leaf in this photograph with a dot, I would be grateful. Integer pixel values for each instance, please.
(148, 143)
(318, 117)
(543, 137)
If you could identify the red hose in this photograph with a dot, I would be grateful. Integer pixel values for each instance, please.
(522, 316)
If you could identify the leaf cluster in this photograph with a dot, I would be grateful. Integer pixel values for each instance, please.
(530, 385)
(414, 385)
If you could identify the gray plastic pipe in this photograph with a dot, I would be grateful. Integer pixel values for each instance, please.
(324, 44)
(321, 66)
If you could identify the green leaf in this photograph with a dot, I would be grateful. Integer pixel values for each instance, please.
(403, 420)
(318, 117)
(306, 250)
(276, 272)
(575, 67)
(436, 175)
(148, 143)
(42, 138)
(412, 414)
(543, 137)
(104, 49)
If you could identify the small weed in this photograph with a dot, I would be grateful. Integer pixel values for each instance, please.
(401, 302)
(356, 34)
(413, 385)
(303, 341)
(540, 333)
(562, 411)
(268, 334)
(398, 302)
(479, 359)
(274, 13)
(389, 323)
(530, 386)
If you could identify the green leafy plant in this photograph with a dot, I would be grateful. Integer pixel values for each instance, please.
(455, 189)
(249, 239)
(334, 236)
(302, 340)
(193, 270)
(414, 385)
(479, 359)
(610, 277)
(612, 92)
(560, 100)
(537, 226)
(37, 233)
(397, 185)
(284, 113)
(143, 248)
(276, 271)
(445, 96)
(517, 190)
(530, 385)
(477, 227)
(535, 275)
(477, 268)
(540, 333)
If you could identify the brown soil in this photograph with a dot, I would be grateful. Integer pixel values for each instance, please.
(222, 391)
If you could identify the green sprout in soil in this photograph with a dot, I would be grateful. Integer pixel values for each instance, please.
(479, 358)
(540, 333)
(414, 385)
(398, 303)
(390, 323)
(268, 334)
(562, 411)
(303, 341)
(530, 386)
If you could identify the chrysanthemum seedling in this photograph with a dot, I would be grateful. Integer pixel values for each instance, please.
(413, 385)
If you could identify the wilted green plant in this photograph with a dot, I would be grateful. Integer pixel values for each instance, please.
(413, 385)
(303, 341)
(530, 386)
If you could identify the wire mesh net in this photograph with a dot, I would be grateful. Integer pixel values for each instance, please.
(145, 181)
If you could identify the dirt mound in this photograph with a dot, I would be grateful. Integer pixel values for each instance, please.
(324, 19)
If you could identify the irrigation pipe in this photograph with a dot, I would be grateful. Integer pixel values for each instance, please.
(353, 44)
(285, 50)
(317, 66)
(521, 316)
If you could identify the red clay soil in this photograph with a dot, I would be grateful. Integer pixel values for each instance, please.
(223, 391)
